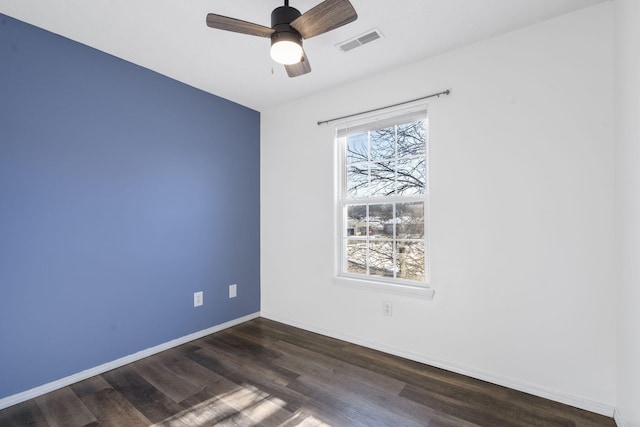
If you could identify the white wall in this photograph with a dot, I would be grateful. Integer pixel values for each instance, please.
(627, 24)
(522, 215)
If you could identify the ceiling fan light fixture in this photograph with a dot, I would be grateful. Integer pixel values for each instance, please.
(286, 48)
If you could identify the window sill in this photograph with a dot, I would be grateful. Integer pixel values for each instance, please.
(392, 288)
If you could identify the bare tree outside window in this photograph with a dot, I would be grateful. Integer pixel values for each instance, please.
(384, 210)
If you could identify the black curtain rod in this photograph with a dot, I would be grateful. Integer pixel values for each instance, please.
(446, 92)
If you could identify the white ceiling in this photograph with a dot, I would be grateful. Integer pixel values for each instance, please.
(171, 38)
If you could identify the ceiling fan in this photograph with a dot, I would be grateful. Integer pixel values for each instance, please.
(289, 27)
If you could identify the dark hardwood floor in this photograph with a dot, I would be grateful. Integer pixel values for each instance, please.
(263, 373)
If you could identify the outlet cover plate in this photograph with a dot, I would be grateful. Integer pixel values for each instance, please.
(198, 299)
(387, 308)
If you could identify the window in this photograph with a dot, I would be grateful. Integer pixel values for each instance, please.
(383, 200)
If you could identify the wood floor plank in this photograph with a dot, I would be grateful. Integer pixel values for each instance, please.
(62, 408)
(255, 332)
(476, 401)
(23, 414)
(180, 365)
(210, 412)
(244, 346)
(237, 374)
(301, 338)
(382, 403)
(304, 419)
(108, 406)
(479, 414)
(150, 401)
(176, 387)
(261, 407)
(543, 407)
(256, 369)
(300, 360)
(412, 372)
(351, 410)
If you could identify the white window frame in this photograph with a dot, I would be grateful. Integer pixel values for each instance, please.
(404, 114)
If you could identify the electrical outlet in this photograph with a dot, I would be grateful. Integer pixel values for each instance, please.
(387, 308)
(198, 299)
(233, 291)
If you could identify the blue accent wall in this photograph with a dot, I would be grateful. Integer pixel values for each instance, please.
(122, 192)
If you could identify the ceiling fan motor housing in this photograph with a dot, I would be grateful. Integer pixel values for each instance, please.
(283, 15)
(281, 18)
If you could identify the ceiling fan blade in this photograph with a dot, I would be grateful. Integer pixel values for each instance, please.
(237, 26)
(326, 16)
(302, 67)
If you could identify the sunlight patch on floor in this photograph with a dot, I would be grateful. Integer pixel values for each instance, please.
(247, 402)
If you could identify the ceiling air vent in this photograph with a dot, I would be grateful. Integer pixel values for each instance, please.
(365, 38)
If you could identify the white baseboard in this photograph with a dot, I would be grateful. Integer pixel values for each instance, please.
(80, 376)
(578, 402)
(617, 417)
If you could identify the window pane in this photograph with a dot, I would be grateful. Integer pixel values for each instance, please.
(381, 258)
(410, 220)
(356, 220)
(358, 180)
(411, 176)
(357, 148)
(383, 178)
(356, 256)
(411, 260)
(412, 139)
(381, 220)
(383, 144)
(384, 201)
